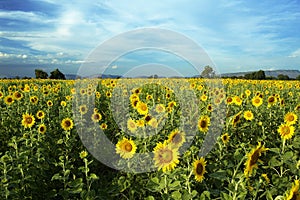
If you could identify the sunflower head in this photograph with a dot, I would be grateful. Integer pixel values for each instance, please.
(42, 128)
(28, 120)
(248, 115)
(67, 124)
(253, 158)
(142, 108)
(131, 125)
(199, 169)
(176, 138)
(165, 156)
(126, 148)
(204, 123)
(290, 118)
(286, 131)
(225, 138)
(294, 193)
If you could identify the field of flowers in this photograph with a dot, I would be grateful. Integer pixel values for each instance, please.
(172, 139)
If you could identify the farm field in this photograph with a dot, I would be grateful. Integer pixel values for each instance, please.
(171, 139)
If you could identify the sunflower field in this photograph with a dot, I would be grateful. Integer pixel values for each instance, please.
(150, 139)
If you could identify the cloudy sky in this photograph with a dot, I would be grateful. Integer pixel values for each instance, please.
(236, 35)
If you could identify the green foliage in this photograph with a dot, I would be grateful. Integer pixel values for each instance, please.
(208, 72)
(40, 74)
(56, 74)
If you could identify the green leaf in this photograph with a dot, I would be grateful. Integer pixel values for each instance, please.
(94, 176)
(60, 141)
(220, 175)
(274, 162)
(174, 185)
(288, 155)
(56, 177)
(149, 198)
(205, 195)
(275, 150)
(176, 195)
(296, 142)
(76, 183)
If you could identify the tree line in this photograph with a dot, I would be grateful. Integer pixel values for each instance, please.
(208, 72)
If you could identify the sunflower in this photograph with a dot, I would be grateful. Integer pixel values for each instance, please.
(40, 114)
(83, 154)
(142, 108)
(257, 101)
(176, 138)
(286, 131)
(229, 100)
(153, 122)
(149, 97)
(248, 115)
(67, 124)
(199, 169)
(248, 93)
(34, 99)
(96, 117)
(160, 108)
(83, 109)
(9, 100)
(131, 125)
(17, 95)
(204, 123)
(126, 148)
(98, 95)
(294, 193)
(225, 138)
(28, 120)
(236, 119)
(140, 123)
(165, 157)
(253, 158)
(103, 126)
(265, 176)
(203, 97)
(42, 128)
(108, 94)
(49, 103)
(290, 118)
(297, 108)
(271, 101)
(209, 108)
(237, 100)
(1, 94)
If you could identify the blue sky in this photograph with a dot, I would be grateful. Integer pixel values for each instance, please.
(236, 35)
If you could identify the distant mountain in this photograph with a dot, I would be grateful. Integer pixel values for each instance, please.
(268, 73)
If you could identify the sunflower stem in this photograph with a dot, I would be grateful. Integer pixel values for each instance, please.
(283, 145)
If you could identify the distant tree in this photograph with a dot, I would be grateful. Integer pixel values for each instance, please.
(40, 74)
(259, 75)
(298, 77)
(208, 72)
(56, 74)
(283, 77)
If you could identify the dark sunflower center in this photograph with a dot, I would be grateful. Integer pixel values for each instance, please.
(166, 156)
(9, 100)
(128, 147)
(42, 129)
(148, 118)
(291, 118)
(67, 123)
(254, 158)
(96, 116)
(285, 130)
(176, 138)
(28, 120)
(257, 100)
(271, 99)
(203, 123)
(225, 137)
(199, 168)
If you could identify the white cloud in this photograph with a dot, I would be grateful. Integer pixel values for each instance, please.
(114, 67)
(295, 54)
